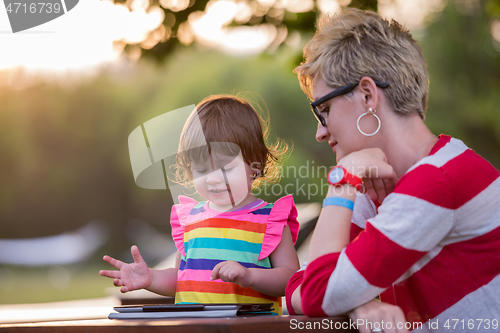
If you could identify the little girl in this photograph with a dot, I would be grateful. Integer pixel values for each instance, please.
(233, 248)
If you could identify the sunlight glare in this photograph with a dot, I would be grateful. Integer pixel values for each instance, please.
(74, 42)
(210, 28)
(175, 5)
(220, 12)
(266, 3)
(411, 13)
(298, 6)
(495, 30)
(185, 32)
(67, 310)
(328, 6)
(139, 4)
(243, 12)
(248, 40)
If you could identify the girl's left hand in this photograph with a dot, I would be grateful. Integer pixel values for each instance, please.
(371, 165)
(231, 271)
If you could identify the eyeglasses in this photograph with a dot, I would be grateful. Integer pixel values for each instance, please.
(337, 92)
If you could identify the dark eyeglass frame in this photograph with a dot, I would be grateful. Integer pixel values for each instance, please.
(337, 92)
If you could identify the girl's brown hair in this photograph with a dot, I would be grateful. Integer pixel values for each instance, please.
(235, 125)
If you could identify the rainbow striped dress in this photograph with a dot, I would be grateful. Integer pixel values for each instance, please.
(205, 237)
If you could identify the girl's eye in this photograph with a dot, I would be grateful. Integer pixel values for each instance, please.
(326, 110)
(200, 170)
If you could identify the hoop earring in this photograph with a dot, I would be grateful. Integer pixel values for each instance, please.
(372, 112)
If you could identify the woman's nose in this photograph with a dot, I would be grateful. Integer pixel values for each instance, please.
(321, 133)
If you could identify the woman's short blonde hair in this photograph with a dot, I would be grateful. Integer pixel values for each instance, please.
(356, 43)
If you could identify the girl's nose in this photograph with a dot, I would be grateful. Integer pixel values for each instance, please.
(321, 133)
(215, 177)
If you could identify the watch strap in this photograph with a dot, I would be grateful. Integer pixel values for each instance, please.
(348, 178)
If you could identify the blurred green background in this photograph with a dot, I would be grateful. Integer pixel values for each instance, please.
(63, 143)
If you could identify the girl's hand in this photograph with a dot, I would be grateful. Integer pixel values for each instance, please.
(380, 312)
(371, 165)
(130, 276)
(231, 271)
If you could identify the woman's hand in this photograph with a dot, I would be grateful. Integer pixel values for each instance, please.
(371, 165)
(377, 315)
(130, 276)
(231, 271)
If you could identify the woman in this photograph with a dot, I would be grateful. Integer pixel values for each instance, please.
(426, 235)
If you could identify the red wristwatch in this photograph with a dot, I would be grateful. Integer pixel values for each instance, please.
(338, 175)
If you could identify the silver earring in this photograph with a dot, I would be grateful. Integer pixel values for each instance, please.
(372, 112)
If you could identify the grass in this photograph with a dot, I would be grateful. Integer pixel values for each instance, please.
(51, 284)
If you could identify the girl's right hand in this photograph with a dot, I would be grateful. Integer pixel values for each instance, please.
(130, 276)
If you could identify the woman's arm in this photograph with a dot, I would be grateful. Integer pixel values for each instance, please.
(342, 275)
(363, 210)
(331, 233)
(271, 281)
(292, 293)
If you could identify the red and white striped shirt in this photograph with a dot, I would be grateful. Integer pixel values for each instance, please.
(433, 248)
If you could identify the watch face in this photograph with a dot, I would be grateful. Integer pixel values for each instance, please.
(336, 175)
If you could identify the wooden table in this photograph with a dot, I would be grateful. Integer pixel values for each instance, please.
(91, 315)
(187, 325)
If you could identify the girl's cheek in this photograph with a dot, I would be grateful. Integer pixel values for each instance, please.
(198, 182)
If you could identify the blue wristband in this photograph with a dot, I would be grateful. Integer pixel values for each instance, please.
(336, 201)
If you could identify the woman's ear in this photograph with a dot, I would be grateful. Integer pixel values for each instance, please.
(370, 92)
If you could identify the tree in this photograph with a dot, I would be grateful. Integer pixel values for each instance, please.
(176, 29)
(464, 65)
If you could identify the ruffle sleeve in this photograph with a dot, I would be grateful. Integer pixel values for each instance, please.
(283, 212)
(178, 217)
